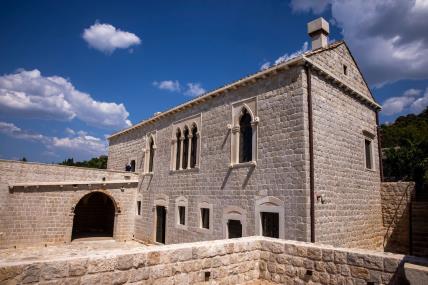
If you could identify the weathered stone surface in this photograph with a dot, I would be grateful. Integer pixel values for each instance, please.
(96, 265)
(77, 267)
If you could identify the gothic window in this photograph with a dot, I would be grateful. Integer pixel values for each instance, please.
(178, 151)
(151, 154)
(185, 147)
(194, 146)
(245, 137)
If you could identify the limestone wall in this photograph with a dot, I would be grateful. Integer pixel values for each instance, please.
(252, 260)
(396, 197)
(280, 170)
(348, 203)
(44, 214)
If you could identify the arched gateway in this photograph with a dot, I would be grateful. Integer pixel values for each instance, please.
(94, 216)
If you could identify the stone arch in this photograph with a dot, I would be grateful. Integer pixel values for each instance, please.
(94, 215)
(270, 204)
(234, 213)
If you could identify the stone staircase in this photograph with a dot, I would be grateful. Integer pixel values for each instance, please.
(420, 227)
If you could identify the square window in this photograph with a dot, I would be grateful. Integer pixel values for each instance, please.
(182, 215)
(205, 217)
(368, 153)
(270, 224)
(138, 208)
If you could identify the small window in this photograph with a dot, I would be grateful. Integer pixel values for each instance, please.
(345, 70)
(270, 224)
(132, 165)
(234, 228)
(205, 216)
(182, 215)
(138, 208)
(368, 153)
(151, 154)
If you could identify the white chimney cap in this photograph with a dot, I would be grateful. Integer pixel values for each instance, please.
(319, 25)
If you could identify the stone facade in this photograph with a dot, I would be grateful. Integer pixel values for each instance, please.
(34, 211)
(347, 196)
(252, 260)
(396, 198)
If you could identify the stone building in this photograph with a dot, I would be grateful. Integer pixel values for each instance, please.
(288, 152)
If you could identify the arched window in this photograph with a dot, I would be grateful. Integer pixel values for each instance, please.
(185, 147)
(245, 137)
(194, 145)
(151, 154)
(177, 154)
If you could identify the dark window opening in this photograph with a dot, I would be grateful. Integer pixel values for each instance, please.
(205, 216)
(234, 228)
(194, 145)
(151, 154)
(177, 155)
(94, 216)
(345, 70)
(245, 137)
(368, 151)
(160, 224)
(270, 224)
(185, 147)
(132, 166)
(139, 208)
(182, 215)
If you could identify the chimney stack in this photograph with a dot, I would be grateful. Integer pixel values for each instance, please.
(318, 30)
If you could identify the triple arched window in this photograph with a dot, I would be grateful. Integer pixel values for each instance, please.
(185, 147)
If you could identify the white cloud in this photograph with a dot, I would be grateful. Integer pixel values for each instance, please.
(286, 56)
(30, 94)
(191, 89)
(170, 85)
(387, 37)
(80, 142)
(409, 102)
(194, 89)
(106, 38)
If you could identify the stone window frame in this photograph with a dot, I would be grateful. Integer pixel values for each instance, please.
(250, 105)
(273, 205)
(189, 123)
(146, 151)
(182, 201)
(160, 200)
(369, 137)
(139, 207)
(234, 213)
(209, 206)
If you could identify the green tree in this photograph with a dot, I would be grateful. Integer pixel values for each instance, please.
(95, 162)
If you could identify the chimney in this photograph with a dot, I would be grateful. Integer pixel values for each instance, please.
(318, 30)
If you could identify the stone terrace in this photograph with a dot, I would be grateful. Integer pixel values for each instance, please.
(250, 260)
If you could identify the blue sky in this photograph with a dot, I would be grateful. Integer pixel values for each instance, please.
(73, 72)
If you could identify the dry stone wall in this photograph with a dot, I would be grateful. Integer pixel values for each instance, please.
(44, 214)
(252, 260)
(396, 198)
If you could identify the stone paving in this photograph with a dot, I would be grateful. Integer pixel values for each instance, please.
(78, 248)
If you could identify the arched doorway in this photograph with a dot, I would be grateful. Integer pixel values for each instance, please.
(94, 216)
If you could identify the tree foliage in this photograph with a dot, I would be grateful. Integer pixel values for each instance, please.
(405, 148)
(95, 162)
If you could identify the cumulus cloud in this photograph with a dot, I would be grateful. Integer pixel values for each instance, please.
(76, 141)
(190, 89)
(388, 37)
(194, 89)
(106, 38)
(170, 85)
(286, 56)
(30, 94)
(410, 101)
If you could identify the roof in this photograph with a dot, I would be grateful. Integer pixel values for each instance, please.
(297, 60)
